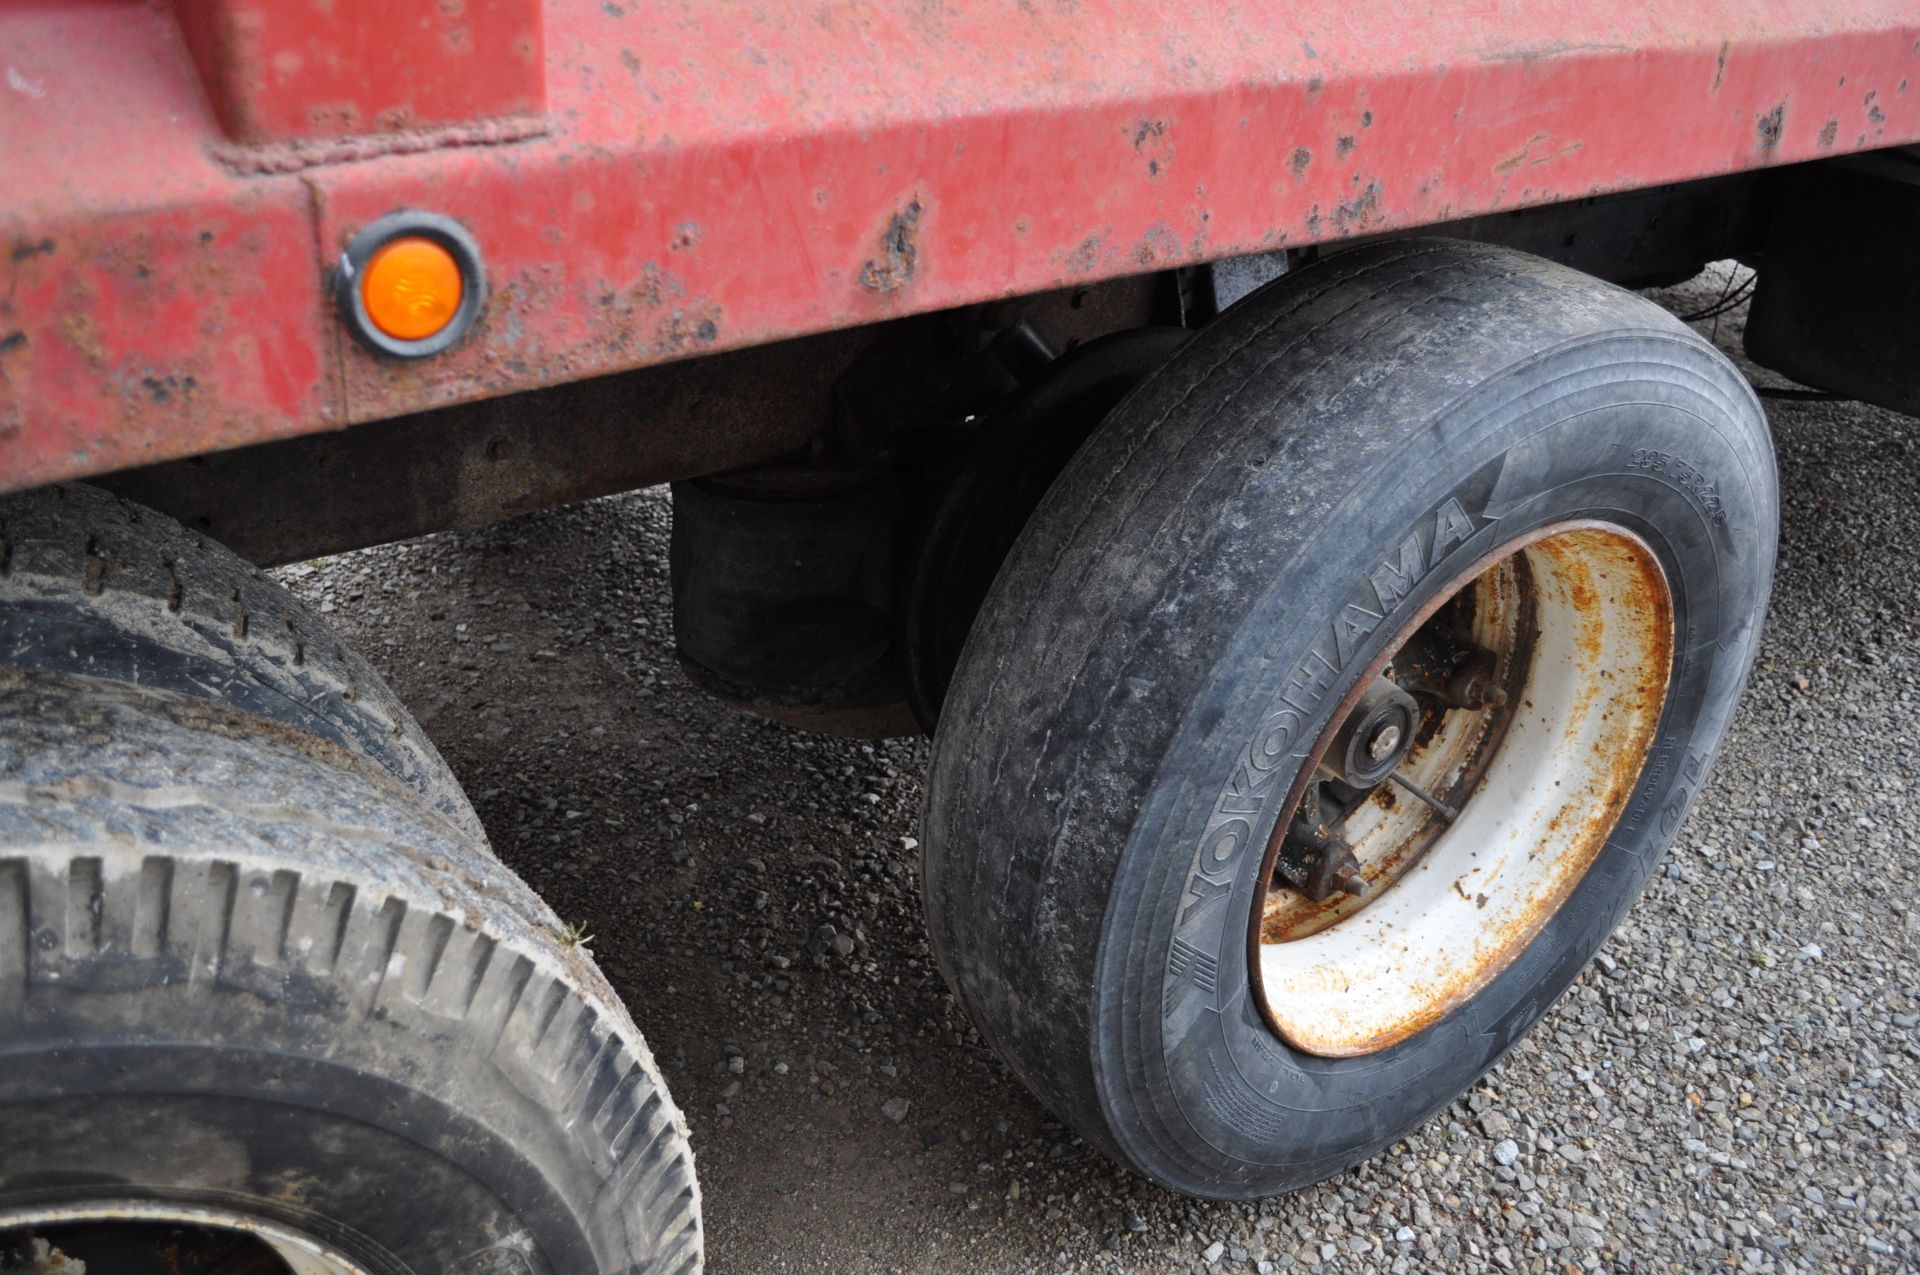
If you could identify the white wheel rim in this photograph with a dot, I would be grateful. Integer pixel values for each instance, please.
(1445, 923)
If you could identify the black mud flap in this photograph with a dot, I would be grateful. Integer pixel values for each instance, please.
(1837, 304)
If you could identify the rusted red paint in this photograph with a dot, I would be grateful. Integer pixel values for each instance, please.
(279, 71)
(716, 176)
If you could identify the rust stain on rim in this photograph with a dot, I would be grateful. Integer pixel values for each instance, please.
(1583, 724)
(1440, 747)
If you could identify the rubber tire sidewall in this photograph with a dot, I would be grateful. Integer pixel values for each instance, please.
(1205, 1098)
(386, 1175)
(244, 969)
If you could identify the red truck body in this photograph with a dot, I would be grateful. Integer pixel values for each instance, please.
(654, 179)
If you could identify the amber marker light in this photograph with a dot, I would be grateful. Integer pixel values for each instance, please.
(410, 284)
(411, 288)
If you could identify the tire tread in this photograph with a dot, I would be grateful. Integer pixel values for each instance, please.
(441, 937)
(74, 553)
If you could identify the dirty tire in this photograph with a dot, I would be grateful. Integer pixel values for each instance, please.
(992, 490)
(243, 970)
(102, 587)
(1143, 684)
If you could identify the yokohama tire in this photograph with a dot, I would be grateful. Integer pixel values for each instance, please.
(1139, 691)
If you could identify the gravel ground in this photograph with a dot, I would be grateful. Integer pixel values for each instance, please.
(1731, 1086)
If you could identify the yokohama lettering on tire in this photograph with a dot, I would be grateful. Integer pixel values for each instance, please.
(1198, 598)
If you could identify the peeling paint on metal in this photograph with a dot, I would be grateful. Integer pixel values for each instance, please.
(1771, 125)
(793, 175)
(899, 253)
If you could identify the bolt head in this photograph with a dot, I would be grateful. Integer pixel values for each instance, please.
(1384, 741)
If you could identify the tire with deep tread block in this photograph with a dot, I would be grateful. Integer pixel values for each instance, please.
(100, 586)
(243, 969)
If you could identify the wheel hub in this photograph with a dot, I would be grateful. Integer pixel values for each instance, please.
(1370, 744)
